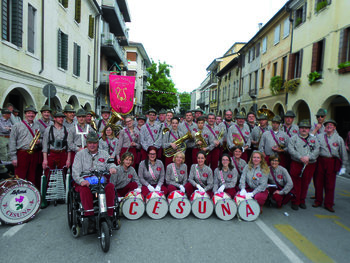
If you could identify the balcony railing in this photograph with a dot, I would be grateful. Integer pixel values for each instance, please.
(111, 47)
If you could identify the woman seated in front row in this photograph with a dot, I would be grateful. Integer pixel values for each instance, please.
(281, 193)
(176, 173)
(151, 173)
(238, 162)
(225, 176)
(201, 177)
(126, 179)
(253, 182)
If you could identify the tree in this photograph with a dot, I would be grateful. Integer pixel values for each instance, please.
(160, 81)
(185, 102)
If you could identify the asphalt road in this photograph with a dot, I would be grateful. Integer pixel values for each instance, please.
(311, 235)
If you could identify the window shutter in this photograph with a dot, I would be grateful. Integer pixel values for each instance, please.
(78, 60)
(31, 11)
(77, 10)
(91, 26)
(4, 19)
(291, 66)
(258, 50)
(341, 46)
(300, 63)
(64, 51)
(304, 12)
(17, 22)
(59, 49)
(315, 58)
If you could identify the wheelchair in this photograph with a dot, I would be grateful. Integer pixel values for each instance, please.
(79, 224)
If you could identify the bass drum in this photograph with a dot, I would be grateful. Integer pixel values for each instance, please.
(179, 205)
(156, 205)
(202, 206)
(225, 207)
(19, 201)
(248, 209)
(133, 205)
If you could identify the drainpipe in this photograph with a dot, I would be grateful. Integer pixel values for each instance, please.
(291, 42)
(96, 45)
(42, 35)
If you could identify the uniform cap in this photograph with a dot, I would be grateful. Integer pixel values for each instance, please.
(81, 112)
(141, 117)
(321, 112)
(330, 121)
(162, 111)
(59, 114)
(289, 113)
(151, 110)
(45, 108)
(240, 115)
(30, 108)
(69, 108)
(277, 118)
(5, 111)
(3, 169)
(305, 123)
(92, 137)
(262, 117)
(106, 109)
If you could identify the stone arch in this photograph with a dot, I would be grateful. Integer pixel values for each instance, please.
(87, 106)
(244, 111)
(278, 109)
(20, 96)
(73, 100)
(235, 112)
(263, 106)
(55, 103)
(302, 111)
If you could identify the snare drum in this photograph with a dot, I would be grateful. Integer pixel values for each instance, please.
(133, 205)
(248, 209)
(156, 205)
(225, 207)
(19, 201)
(179, 205)
(202, 206)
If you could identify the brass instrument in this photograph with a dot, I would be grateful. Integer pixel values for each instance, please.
(180, 144)
(112, 121)
(221, 134)
(199, 138)
(165, 130)
(268, 113)
(33, 142)
(237, 141)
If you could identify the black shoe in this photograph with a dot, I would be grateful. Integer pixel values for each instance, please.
(330, 209)
(295, 207)
(316, 204)
(302, 206)
(313, 197)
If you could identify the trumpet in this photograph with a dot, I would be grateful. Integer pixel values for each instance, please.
(33, 142)
(165, 130)
(180, 145)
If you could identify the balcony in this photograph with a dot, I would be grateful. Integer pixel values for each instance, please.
(104, 76)
(213, 81)
(146, 74)
(114, 17)
(111, 48)
(201, 102)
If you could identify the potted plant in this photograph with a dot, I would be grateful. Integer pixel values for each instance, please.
(313, 77)
(276, 84)
(321, 5)
(344, 67)
(291, 85)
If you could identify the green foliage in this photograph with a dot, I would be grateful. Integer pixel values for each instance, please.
(185, 102)
(291, 85)
(321, 5)
(160, 80)
(344, 65)
(276, 84)
(313, 76)
(298, 21)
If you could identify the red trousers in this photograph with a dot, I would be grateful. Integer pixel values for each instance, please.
(194, 155)
(280, 199)
(172, 188)
(86, 198)
(145, 191)
(131, 150)
(325, 180)
(26, 166)
(168, 160)
(55, 160)
(126, 189)
(259, 197)
(188, 159)
(213, 158)
(231, 191)
(301, 184)
(190, 189)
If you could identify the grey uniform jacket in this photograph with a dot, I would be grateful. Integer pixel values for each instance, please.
(255, 178)
(109, 145)
(215, 132)
(68, 125)
(5, 126)
(168, 137)
(229, 178)
(233, 131)
(158, 172)
(146, 139)
(257, 133)
(192, 128)
(181, 173)
(298, 148)
(20, 138)
(42, 126)
(77, 139)
(85, 162)
(226, 126)
(291, 131)
(208, 138)
(206, 178)
(241, 165)
(124, 140)
(267, 141)
(58, 135)
(336, 144)
(124, 177)
(283, 179)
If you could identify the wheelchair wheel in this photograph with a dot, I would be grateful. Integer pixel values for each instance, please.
(105, 238)
(70, 210)
(76, 231)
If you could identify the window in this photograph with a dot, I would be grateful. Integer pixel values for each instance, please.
(243, 60)
(284, 68)
(77, 15)
(262, 79)
(242, 86)
(277, 35)
(76, 59)
(88, 68)
(250, 81)
(31, 28)
(317, 56)
(255, 82)
(252, 54)
(300, 15)
(64, 3)
(12, 20)
(229, 87)
(264, 45)
(91, 26)
(132, 56)
(257, 50)
(234, 89)
(274, 69)
(321, 5)
(62, 50)
(344, 46)
(295, 65)
(286, 25)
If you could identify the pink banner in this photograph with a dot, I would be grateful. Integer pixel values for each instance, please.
(121, 92)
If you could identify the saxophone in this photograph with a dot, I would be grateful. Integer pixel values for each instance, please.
(33, 142)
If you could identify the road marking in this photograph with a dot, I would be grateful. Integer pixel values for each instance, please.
(278, 242)
(346, 191)
(303, 244)
(346, 195)
(13, 230)
(327, 217)
(345, 178)
(341, 225)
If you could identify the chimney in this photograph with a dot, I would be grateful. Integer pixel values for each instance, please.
(260, 25)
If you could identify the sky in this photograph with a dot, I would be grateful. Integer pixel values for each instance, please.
(190, 34)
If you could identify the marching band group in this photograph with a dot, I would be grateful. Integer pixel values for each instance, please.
(267, 163)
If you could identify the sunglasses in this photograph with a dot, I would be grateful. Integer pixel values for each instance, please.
(319, 117)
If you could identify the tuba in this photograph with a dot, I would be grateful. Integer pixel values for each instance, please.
(268, 113)
(33, 142)
(112, 121)
(237, 140)
(180, 144)
(199, 138)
